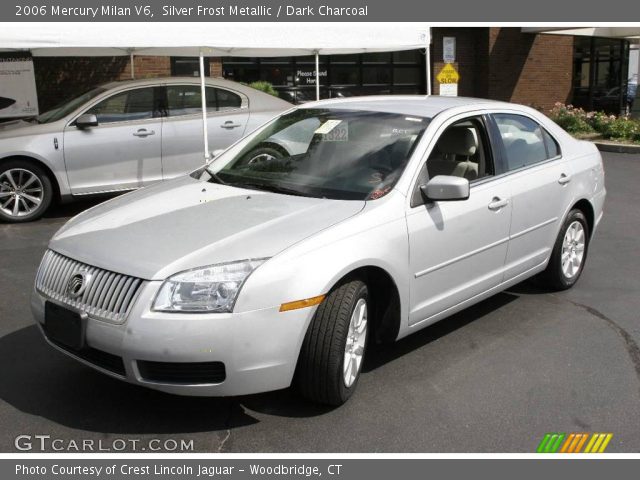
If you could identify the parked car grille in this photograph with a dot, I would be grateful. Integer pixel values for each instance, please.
(108, 295)
(187, 373)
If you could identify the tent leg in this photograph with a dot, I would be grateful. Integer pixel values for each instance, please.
(203, 96)
(133, 72)
(427, 61)
(317, 76)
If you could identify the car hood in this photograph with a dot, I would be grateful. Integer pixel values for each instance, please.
(188, 223)
(18, 128)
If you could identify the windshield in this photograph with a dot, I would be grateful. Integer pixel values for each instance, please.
(69, 106)
(325, 153)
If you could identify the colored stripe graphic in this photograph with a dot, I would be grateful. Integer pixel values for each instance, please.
(550, 443)
(573, 443)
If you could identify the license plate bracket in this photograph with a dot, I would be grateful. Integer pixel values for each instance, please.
(64, 326)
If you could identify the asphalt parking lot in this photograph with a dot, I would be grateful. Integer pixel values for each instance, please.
(494, 378)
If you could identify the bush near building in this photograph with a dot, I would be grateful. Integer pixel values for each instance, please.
(579, 122)
(265, 87)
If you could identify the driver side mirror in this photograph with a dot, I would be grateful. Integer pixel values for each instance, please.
(86, 120)
(446, 188)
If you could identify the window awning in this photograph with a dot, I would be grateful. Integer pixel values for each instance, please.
(629, 33)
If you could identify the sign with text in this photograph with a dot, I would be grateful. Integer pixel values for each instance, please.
(448, 74)
(18, 97)
(448, 49)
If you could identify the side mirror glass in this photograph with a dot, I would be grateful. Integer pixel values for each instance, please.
(446, 188)
(86, 120)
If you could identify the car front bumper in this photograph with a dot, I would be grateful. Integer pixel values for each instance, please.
(259, 348)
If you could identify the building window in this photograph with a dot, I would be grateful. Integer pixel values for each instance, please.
(188, 66)
(600, 74)
(340, 75)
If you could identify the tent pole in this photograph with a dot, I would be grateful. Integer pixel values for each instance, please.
(427, 60)
(317, 76)
(133, 73)
(203, 96)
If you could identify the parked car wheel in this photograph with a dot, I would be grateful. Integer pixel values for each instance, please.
(569, 253)
(26, 191)
(334, 347)
(262, 154)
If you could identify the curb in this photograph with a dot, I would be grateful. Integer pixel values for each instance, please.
(617, 147)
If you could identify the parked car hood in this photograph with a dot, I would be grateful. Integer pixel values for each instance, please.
(18, 128)
(188, 223)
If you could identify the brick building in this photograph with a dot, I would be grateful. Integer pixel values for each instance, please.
(499, 63)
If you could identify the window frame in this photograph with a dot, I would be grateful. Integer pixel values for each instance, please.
(157, 93)
(499, 143)
(244, 101)
(415, 198)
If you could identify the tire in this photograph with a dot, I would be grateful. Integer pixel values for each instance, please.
(23, 182)
(320, 376)
(557, 277)
(262, 154)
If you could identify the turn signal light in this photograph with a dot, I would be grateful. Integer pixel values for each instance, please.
(307, 302)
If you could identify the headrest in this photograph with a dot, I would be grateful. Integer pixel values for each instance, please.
(458, 141)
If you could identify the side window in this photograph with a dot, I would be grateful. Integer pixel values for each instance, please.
(462, 150)
(227, 100)
(135, 104)
(525, 141)
(186, 100)
(553, 149)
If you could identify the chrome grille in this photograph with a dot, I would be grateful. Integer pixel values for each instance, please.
(108, 296)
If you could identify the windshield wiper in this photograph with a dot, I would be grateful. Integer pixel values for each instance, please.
(215, 177)
(270, 188)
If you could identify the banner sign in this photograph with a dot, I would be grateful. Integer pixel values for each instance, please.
(18, 97)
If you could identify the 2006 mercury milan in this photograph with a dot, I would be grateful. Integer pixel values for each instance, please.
(119, 137)
(338, 224)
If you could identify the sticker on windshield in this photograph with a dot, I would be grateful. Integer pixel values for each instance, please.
(327, 126)
(339, 133)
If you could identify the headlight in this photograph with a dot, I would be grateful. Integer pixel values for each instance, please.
(207, 289)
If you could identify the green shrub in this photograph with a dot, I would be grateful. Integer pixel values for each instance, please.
(577, 121)
(573, 120)
(622, 128)
(265, 87)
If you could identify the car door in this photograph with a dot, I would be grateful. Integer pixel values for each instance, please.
(457, 248)
(182, 145)
(538, 178)
(123, 151)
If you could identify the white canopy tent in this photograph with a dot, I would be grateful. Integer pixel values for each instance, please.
(215, 40)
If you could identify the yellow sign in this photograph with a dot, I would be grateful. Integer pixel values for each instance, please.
(448, 74)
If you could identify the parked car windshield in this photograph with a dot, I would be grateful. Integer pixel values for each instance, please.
(324, 153)
(69, 106)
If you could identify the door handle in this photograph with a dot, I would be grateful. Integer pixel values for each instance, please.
(143, 133)
(229, 125)
(564, 179)
(497, 203)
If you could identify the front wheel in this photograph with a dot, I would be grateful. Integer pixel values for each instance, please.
(569, 253)
(334, 346)
(25, 191)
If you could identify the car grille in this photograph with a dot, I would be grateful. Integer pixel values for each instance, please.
(187, 373)
(108, 296)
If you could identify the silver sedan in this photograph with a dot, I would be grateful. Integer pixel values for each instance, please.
(121, 136)
(338, 224)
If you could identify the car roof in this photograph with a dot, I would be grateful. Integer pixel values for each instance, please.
(418, 105)
(172, 80)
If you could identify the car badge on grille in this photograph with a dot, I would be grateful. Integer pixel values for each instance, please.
(78, 283)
